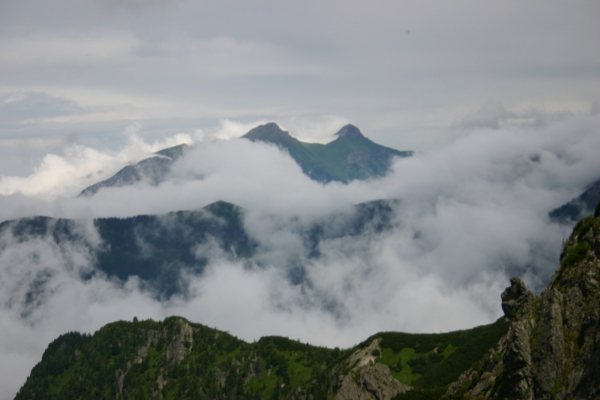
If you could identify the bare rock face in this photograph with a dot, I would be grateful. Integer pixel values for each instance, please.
(517, 304)
(378, 380)
(181, 343)
(368, 380)
(351, 390)
(551, 349)
(119, 377)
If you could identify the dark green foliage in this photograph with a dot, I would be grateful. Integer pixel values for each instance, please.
(58, 358)
(437, 370)
(216, 364)
(575, 254)
(350, 156)
(421, 365)
(471, 348)
(576, 249)
(74, 366)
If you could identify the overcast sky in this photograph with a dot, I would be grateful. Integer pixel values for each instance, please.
(410, 74)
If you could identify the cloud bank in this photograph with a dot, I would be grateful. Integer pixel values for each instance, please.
(469, 216)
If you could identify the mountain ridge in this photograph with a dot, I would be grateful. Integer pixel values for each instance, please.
(176, 359)
(350, 156)
(159, 248)
(152, 170)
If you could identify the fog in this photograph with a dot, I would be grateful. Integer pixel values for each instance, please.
(469, 216)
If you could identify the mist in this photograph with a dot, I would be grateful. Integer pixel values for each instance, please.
(465, 218)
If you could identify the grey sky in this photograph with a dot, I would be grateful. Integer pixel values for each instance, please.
(403, 71)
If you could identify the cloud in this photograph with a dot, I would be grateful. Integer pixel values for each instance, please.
(217, 59)
(488, 116)
(319, 130)
(80, 166)
(232, 129)
(24, 107)
(470, 215)
(494, 115)
(473, 212)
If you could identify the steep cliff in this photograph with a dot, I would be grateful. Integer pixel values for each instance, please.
(551, 349)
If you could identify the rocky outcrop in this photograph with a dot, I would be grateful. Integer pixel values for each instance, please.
(551, 349)
(181, 343)
(367, 380)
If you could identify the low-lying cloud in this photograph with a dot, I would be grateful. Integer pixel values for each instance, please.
(469, 216)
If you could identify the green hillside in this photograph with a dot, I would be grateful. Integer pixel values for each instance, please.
(176, 359)
(350, 156)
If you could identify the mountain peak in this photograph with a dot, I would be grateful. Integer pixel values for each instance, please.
(349, 131)
(268, 132)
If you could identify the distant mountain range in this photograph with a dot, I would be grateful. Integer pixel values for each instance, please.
(160, 248)
(351, 156)
(545, 347)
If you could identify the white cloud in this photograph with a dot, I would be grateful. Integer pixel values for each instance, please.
(232, 129)
(472, 212)
(186, 59)
(470, 215)
(80, 166)
(319, 130)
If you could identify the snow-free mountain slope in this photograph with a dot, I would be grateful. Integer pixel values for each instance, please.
(581, 206)
(351, 156)
(177, 359)
(151, 170)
